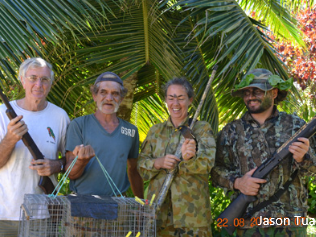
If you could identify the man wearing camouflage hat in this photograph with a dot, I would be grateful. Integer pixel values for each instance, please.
(246, 143)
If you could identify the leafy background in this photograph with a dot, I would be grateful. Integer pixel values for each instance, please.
(148, 42)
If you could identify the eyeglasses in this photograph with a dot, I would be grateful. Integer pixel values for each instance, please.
(255, 92)
(44, 80)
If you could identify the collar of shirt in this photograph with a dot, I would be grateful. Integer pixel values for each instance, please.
(184, 122)
(275, 114)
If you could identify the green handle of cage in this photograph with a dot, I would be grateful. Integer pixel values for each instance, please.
(109, 179)
(65, 176)
(63, 179)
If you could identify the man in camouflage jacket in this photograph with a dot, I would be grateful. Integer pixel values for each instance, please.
(246, 143)
(186, 210)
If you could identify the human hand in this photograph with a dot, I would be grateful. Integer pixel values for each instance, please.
(299, 149)
(16, 129)
(166, 162)
(247, 184)
(84, 153)
(188, 149)
(45, 167)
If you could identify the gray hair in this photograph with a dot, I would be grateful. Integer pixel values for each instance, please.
(95, 89)
(182, 82)
(35, 63)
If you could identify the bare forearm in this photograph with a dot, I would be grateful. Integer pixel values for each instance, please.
(16, 129)
(6, 148)
(77, 169)
(137, 184)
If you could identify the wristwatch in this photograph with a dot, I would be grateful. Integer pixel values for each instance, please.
(61, 165)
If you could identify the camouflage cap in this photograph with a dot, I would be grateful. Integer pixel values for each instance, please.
(259, 78)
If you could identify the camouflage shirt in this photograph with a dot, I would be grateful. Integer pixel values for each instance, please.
(188, 201)
(243, 145)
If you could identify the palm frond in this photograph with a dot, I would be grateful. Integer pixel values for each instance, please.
(27, 26)
(277, 16)
(243, 45)
(148, 112)
(127, 47)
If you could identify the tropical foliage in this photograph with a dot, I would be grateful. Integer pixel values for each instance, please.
(146, 42)
(301, 61)
(301, 65)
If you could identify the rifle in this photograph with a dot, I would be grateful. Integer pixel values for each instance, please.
(45, 182)
(186, 134)
(238, 206)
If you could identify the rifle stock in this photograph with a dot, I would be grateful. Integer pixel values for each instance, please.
(45, 182)
(238, 206)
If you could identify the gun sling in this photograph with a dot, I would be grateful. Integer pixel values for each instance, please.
(187, 133)
(276, 196)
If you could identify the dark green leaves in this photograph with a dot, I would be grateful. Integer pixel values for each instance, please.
(277, 82)
(245, 82)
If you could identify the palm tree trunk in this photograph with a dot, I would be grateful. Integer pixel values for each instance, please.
(126, 106)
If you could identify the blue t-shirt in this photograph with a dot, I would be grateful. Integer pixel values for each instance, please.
(112, 149)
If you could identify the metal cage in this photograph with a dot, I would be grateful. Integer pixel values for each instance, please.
(42, 216)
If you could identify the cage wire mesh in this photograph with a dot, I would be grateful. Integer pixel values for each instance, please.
(43, 216)
(47, 216)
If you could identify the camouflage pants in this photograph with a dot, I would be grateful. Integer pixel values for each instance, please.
(273, 232)
(184, 232)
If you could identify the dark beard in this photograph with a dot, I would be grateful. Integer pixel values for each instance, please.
(256, 111)
(264, 105)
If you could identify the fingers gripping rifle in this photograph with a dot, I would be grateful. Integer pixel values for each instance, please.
(238, 206)
(44, 183)
(186, 134)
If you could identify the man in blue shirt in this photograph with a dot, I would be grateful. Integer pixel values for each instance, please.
(102, 134)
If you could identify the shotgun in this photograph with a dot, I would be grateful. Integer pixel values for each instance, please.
(45, 182)
(185, 134)
(239, 205)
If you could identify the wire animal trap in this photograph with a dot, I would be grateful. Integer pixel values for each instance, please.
(86, 216)
(42, 215)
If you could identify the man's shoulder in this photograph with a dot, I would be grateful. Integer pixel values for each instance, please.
(13, 103)
(3, 108)
(231, 130)
(233, 124)
(82, 120)
(294, 115)
(57, 110)
(128, 125)
(290, 118)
